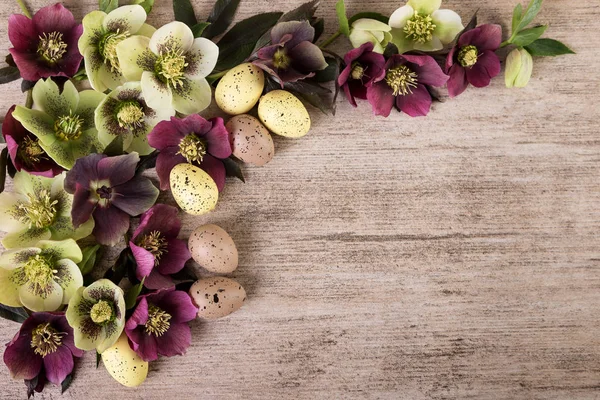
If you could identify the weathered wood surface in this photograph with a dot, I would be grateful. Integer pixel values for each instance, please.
(451, 257)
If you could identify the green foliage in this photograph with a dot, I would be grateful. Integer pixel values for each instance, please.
(528, 36)
(548, 48)
(108, 5)
(184, 12)
(220, 17)
(340, 9)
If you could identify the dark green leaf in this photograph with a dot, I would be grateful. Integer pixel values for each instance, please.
(312, 93)
(10, 168)
(528, 36)
(516, 19)
(64, 385)
(31, 384)
(108, 5)
(3, 165)
(221, 17)
(548, 47)
(114, 148)
(89, 259)
(16, 314)
(319, 25)
(199, 28)
(340, 9)
(184, 12)
(371, 15)
(305, 12)
(9, 74)
(390, 50)
(532, 11)
(132, 294)
(147, 162)
(10, 60)
(330, 73)
(146, 4)
(118, 271)
(98, 358)
(232, 168)
(26, 85)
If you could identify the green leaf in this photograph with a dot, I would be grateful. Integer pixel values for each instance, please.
(114, 148)
(10, 60)
(340, 9)
(3, 164)
(98, 358)
(184, 12)
(517, 15)
(16, 314)
(118, 271)
(319, 25)
(146, 4)
(528, 36)
(371, 15)
(89, 259)
(305, 12)
(199, 28)
(330, 73)
(221, 17)
(108, 5)
(312, 93)
(64, 385)
(532, 11)
(133, 293)
(9, 74)
(548, 48)
(232, 168)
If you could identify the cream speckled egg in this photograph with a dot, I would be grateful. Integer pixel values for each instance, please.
(123, 364)
(240, 88)
(284, 114)
(213, 249)
(193, 189)
(217, 297)
(250, 140)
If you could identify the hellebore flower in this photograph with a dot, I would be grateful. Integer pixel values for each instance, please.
(101, 34)
(40, 278)
(24, 149)
(363, 67)
(193, 140)
(63, 122)
(473, 60)
(158, 326)
(44, 340)
(38, 209)
(45, 45)
(421, 25)
(97, 315)
(156, 249)
(519, 67)
(292, 56)
(171, 66)
(125, 113)
(108, 189)
(367, 30)
(405, 83)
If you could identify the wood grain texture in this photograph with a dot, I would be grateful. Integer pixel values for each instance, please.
(450, 257)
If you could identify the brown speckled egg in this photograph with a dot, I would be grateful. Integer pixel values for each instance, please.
(250, 140)
(283, 114)
(193, 189)
(217, 297)
(240, 88)
(213, 249)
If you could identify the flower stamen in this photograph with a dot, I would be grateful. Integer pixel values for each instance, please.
(108, 48)
(45, 339)
(41, 210)
(52, 47)
(130, 115)
(170, 66)
(358, 71)
(281, 60)
(420, 28)
(401, 79)
(467, 56)
(156, 244)
(30, 151)
(38, 274)
(102, 312)
(192, 148)
(158, 321)
(68, 127)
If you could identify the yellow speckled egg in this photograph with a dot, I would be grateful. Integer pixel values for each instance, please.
(240, 88)
(250, 140)
(217, 297)
(193, 189)
(123, 364)
(284, 114)
(213, 248)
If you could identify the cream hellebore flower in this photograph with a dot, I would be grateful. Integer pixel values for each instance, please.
(421, 25)
(519, 67)
(171, 66)
(101, 34)
(38, 209)
(370, 30)
(42, 277)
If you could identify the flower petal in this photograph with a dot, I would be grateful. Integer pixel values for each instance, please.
(484, 37)
(135, 196)
(62, 249)
(156, 93)
(193, 96)
(13, 259)
(69, 277)
(175, 341)
(139, 145)
(111, 225)
(125, 19)
(179, 305)
(358, 38)
(308, 57)
(9, 295)
(135, 57)
(162, 218)
(217, 139)
(143, 344)
(92, 27)
(20, 358)
(292, 33)
(58, 365)
(50, 300)
(457, 83)
(10, 215)
(88, 335)
(426, 7)
(112, 332)
(166, 160)
(118, 169)
(381, 97)
(175, 258)
(20, 32)
(215, 168)
(486, 68)
(401, 41)
(25, 237)
(400, 17)
(201, 58)
(428, 70)
(48, 98)
(417, 103)
(139, 316)
(174, 35)
(434, 44)
(448, 24)
(54, 18)
(144, 260)
(83, 206)
(156, 280)
(37, 122)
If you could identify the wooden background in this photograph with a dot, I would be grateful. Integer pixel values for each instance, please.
(450, 257)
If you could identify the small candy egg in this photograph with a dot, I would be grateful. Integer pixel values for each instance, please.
(213, 249)
(283, 114)
(193, 189)
(240, 88)
(217, 297)
(123, 364)
(250, 140)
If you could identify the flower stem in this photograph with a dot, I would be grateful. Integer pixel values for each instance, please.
(504, 44)
(329, 41)
(29, 101)
(24, 8)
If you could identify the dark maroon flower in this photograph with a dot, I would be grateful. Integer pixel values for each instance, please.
(108, 189)
(45, 341)
(473, 59)
(45, 45)
(158, 326)
(292, 55)
(405, 84)
(156, 249)
(363, 66)
(24, 149)
(193, 140)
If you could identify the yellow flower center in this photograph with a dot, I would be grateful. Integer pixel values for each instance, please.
(30, 151)
(101, 312)
(467, 56)
(158, 321)
(170, 67)
(281, 60)
(357, 71)
(108, 48)
(40, 211)
(192, 148)
(156, 244)
(45, 339)
(130, 115)
(401, 79)
(37, 273)
(420, 28)
(68, 127)
(52, 47)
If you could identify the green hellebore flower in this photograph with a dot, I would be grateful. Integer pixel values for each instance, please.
(370, 30)
(42, 277)
(38, 209)
(519, 67)
(63, 122)
(97, 315)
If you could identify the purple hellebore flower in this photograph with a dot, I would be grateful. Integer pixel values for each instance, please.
(405, 84)
(108, 189)
(45, 45)
(159, 324)
(363, 66)
(24, 149)
(193, 140)
(473, 59)
(156, 249)
(45, 340)
(292, 56)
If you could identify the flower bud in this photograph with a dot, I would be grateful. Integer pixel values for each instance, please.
(370, 30)
(519, 66)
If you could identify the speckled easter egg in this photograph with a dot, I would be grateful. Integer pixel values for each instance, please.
(240, 88)
(217, 297)
(123, 364)
(250, 140)
(193, 189)
(213, 249)
(284, 114)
